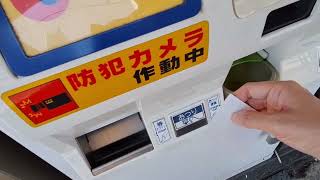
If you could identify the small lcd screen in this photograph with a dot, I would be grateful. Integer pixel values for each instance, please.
(44, 25)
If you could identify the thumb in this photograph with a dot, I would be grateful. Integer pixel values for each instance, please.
(259, 120)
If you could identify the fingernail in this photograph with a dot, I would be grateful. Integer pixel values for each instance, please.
(236, 118)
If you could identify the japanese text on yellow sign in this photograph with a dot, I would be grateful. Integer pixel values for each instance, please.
(113, 75)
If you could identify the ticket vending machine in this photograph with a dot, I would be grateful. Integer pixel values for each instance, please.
(129, 89)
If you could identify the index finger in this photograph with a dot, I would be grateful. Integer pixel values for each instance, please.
(254, 90)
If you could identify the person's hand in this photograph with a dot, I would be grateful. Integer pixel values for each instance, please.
(284, 109)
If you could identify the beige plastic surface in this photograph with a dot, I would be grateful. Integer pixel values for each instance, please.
(78, 20)
(245, 8)
(115, 132)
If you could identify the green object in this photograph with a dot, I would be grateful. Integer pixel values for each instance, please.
(252, 68)
(251, 58)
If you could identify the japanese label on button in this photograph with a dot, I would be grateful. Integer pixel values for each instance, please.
(162, 131)
(214, 103)
(188, 117)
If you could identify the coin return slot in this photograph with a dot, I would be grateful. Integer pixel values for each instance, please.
(115, 144)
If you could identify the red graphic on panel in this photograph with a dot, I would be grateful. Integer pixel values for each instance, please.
(44, 102)
(41, 10)
(23, 5)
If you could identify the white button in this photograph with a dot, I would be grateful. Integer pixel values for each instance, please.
(245, 8)
(162, 131)
(214, 104)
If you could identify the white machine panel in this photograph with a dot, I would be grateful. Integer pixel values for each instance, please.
(201, 145)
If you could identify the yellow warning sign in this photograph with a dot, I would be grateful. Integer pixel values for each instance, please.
(84, 86)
